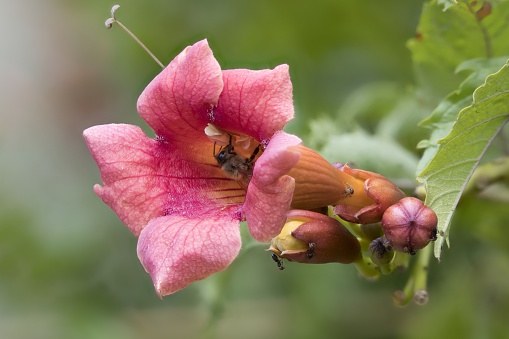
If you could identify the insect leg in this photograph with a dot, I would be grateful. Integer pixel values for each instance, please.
(230, 146)
(255, 152)
(278, 261)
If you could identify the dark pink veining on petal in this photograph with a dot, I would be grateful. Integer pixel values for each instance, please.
(261, 101)
(170, 190)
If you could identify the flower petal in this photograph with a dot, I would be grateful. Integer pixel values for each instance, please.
(146, 178)
(126, 164)
(270, 191)
(256, 103)
(177, 103)
(176, 250)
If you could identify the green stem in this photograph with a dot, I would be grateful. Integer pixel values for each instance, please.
(420, 270)
(366, 268)
(386, 269)
(416, 284)
(400, 261)
(355, 229)
(145, 48)
(420, 273)
(113, 20)
(402, 298)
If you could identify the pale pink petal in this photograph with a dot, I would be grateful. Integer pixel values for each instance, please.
(256, 103)
(146, 178)
(178, 102)
(176, 250)
(127, 165)
(270, 191)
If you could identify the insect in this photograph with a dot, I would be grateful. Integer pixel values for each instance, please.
(348, 191)
(278, 261)
(311, 250)
(234, 165)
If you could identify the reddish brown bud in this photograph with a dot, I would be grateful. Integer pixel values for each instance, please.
(409, 225)
(317, 182)
(368, 205)
(314, 238)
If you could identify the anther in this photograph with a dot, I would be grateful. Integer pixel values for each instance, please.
(110, 21)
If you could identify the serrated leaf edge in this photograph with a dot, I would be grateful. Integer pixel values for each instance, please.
(443, 227)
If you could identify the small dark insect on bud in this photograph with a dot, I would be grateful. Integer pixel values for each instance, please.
(409, 225)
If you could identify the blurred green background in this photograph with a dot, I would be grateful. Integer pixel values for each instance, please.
(69, 267)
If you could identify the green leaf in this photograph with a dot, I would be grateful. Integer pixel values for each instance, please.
(372, 153)
(321, 129)
(443, 117)
(447, 3)
(368, 104)
(399, 123)
(446, 39)
(459, 153)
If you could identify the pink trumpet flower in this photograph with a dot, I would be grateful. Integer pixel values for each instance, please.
(170, 190)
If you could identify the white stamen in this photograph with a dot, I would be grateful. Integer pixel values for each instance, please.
(109, 23)
(113, 10)
(217, 135)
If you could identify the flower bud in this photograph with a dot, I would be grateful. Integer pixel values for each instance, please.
(409, 225)
(399, 298)
(421, 297)
(370, 204)
(314, 238)
(318, 183)
(380, 251)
